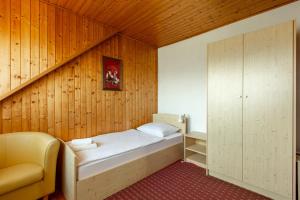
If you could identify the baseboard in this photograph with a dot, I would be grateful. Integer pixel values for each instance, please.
(249, 187)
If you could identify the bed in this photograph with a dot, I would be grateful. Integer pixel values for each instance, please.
(87, 176)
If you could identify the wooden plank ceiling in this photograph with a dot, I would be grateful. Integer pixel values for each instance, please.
(163, 22)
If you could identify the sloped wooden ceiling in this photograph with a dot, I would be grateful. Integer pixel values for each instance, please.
(163, 22)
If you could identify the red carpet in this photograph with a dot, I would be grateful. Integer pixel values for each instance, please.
(183, 181)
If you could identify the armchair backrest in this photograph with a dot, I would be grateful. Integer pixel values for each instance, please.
(16, 148)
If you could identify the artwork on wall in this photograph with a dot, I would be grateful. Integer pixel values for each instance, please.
(112, 73)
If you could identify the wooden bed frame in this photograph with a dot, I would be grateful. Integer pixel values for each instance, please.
(113, 180)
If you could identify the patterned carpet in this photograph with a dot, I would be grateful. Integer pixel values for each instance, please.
(184, 181)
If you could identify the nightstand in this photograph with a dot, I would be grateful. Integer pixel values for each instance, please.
(195, 148)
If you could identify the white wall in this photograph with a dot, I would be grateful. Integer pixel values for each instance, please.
(182, 66)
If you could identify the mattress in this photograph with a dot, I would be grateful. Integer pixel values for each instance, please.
(135, 145)
(115, 143)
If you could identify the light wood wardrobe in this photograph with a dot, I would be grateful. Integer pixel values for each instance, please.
(251, 110)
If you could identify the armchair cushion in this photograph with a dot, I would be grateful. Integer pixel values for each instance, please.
(17, 176)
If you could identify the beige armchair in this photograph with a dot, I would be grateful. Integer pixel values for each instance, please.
(27, 165)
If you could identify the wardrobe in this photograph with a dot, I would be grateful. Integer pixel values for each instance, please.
(251, 110)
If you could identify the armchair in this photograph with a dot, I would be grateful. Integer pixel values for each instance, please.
(27, 165)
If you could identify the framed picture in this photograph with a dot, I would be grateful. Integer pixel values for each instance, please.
(112, 73)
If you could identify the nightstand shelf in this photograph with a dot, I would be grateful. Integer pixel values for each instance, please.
(197, 159)
(195, 148)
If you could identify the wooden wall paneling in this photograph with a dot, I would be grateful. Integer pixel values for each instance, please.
(97, 55)
(107, 93)
(106, 106)
(69, 102)
(79, 32)
(43, 34)
(99, 92)
(1, 118)
(153, 83)
(128, 52)
(6, 115)
(73, 33)
(25, 40)
(119, 110)
(150, 74)
(155, 95)
(51, 13)
(34, 38)
(99, 89)
(139, 85)
(42, 105)
(88, 93)
(51, 61)
(34, 108)
(71, 99)
(90, 66)
(58, 104)
(114, 115)
(84, 36)
(147, 78)
(15, 43)
(112, 94)
(135, 82)
(65, 103)
(124, 90)
(77, 101)
(5, 45)
(123, 97)
(94, 63)
(43, 63)
(78, 78)
(71, 75)
(64, 75)
(17, 112)
(65, 34)
(58, 35)
(26, 101)
(51, 103)
(58, 72)
(117, 95)
(102, 98)
(83, 119)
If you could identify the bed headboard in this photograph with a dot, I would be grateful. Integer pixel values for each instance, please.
(171, 119)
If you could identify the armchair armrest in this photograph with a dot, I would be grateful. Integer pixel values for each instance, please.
(49, 164)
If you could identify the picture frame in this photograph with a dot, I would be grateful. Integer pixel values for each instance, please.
(112, 73)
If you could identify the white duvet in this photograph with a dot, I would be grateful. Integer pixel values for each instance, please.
(116, 143)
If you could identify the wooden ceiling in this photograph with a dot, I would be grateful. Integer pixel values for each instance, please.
(163, 22)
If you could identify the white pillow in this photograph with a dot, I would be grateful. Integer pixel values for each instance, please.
(158, 129)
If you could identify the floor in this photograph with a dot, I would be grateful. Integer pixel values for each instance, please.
(182, 181)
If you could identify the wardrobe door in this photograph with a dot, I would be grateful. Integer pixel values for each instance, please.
(225, 73)
(269, 109)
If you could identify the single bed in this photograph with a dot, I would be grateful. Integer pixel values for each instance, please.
(95, 174)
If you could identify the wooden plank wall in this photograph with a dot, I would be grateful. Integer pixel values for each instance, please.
(69, 103)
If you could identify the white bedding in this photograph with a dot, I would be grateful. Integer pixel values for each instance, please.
(115, 143)
(98, 166)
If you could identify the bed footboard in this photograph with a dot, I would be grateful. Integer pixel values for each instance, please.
(107, 183)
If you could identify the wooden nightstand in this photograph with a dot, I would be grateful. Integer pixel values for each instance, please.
(195, 148)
